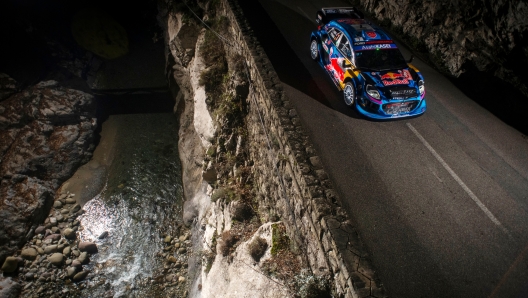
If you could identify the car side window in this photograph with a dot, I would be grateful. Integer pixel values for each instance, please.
(335, 35)
(344, 47)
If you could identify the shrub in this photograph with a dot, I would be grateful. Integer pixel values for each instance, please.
(228, 241)
(257, 248)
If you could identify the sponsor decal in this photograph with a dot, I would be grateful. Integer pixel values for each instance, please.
(379, 41)
(371, 34)
(396, 78)
(359, 43)
(352, 21)
(376, 46)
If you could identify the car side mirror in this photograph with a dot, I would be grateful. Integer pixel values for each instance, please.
(410, 59)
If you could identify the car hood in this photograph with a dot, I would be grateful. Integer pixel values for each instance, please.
(401, 77)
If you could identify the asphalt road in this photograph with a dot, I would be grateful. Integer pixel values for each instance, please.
(441, 200)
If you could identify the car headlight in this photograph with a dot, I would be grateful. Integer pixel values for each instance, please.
(373, 92)
(421, 86)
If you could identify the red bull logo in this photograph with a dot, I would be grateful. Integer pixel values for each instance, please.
(396, 78)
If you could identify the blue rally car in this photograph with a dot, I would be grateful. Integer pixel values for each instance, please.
(365, 63)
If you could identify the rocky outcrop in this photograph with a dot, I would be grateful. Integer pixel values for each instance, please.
(487, 35)
(46, 133)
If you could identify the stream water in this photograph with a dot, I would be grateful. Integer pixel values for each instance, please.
(140, 204)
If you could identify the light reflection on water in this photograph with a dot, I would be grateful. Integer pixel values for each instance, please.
(140, 203)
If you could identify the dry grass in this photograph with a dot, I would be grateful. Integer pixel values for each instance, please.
(257, 248)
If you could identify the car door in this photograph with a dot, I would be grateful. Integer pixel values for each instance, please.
(339, 50)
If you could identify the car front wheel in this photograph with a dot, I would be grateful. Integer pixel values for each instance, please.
(349, 94)
(314, 49)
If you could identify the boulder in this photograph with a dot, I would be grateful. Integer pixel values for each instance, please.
(69, 234)
(80, 276)
(56, 259)
(50, 249)
(40, 230)
(46, 133)
(10, 264)
(83, 258)
(29, 253)
(89, 247)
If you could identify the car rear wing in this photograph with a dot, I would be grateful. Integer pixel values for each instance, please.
(327, 14)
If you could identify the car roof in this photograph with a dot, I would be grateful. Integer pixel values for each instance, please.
(363, 34)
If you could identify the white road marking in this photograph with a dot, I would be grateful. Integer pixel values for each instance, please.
(458, 180)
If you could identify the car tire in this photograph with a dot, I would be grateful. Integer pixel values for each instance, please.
(314, 49)
(349, 94)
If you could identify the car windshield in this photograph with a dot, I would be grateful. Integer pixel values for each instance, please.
(380, 59)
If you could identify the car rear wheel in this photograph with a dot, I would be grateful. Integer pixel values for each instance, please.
(314, 49)
(349, 94)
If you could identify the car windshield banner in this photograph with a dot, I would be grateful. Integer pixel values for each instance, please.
(368, 47)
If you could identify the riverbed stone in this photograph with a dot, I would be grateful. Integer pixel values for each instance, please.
(75, 208)
(89, 247)
(70, 201)
(10, 264)
(80, 276)
(76, 263)
(40, 250)
(66, 251)
(56, 259)
(53, 237)
(40, 230)
(167, 239)
(50, 249)
(69, 234)
(71, 271)
(29, 253)
(53, 221)
(103, 235)
(83, 258)
(57, 204)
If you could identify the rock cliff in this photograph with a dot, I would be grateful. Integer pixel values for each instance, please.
(46, 133)
(490, 35)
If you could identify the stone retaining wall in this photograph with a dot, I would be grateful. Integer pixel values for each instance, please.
(290, 177)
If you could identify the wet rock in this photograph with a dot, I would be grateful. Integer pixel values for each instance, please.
(9, 288)
(50, 249)
(75, 208)
(172, 259)
(77, 264)
(29, 253)
(53, 237)
(56, 259)
(89, 247)
(71, 271)
(103, 235)
(83, 258)
(69, 234)
(10, 264)
(40, 230)
(80, 276)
